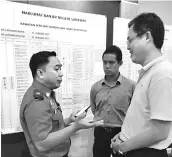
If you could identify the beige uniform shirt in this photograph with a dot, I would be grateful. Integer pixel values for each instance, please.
(40, 115)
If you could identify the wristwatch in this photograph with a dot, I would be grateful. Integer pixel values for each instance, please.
(119, 151)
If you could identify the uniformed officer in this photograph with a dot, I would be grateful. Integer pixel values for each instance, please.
(45, 130)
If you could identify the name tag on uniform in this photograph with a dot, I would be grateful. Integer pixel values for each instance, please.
(54, 106)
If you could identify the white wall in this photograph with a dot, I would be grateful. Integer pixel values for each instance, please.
(161, 8)
(128, 10)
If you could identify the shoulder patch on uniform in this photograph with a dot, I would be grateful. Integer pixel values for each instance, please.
(38, 95)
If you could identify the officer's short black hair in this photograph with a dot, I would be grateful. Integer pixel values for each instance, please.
(149, 22)
(114, 50)
(40, 59)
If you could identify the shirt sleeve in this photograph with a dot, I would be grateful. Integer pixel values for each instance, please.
(160, 98)
(39, 120)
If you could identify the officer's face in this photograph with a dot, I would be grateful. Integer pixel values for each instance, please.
(53, 74)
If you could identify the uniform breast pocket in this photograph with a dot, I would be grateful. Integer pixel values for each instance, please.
(55, 125)
(57, 119)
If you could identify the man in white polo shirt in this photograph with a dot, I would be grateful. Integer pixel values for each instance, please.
(147, 127)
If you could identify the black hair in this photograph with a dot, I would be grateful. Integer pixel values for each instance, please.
(40, 59)
(152, 23)
(114, 50)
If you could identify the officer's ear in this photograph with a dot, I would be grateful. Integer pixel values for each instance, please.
(40, 73)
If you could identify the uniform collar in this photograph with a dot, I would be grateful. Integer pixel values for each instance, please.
(42, 88)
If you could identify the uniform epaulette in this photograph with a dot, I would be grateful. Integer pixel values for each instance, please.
(38, 95)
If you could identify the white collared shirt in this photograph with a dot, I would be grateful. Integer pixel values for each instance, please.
(152, 99)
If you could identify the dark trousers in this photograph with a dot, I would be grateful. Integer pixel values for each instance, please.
(146, 152)
(102, 141)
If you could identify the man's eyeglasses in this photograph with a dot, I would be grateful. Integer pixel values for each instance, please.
(129, 40)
